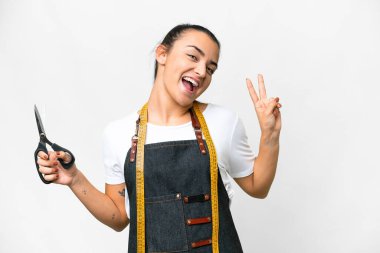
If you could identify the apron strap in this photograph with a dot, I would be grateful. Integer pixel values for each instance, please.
(198, 131)
(213, 180)
(135, 139)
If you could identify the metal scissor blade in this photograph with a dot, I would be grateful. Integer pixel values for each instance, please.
(41, 129)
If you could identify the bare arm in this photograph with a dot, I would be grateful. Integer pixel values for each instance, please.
(258, 184)
(108, 207)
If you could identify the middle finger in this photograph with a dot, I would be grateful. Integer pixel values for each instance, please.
(47, 170)
(47, 163)
(262, 91)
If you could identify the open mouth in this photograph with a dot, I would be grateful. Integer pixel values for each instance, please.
(190, 84)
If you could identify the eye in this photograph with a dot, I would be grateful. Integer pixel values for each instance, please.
(210, 71)
(193, 57)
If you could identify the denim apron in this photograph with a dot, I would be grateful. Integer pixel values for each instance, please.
(177, 200)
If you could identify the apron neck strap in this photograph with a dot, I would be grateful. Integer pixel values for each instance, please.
(197, 128)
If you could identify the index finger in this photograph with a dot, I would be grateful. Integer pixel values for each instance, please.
(42, 155)
(252, 91)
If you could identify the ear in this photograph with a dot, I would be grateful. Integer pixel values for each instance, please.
(161, 54)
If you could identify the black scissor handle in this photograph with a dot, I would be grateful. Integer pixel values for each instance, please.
(66, 166)
(42, 147)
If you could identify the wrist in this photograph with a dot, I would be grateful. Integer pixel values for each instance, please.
(270, 138)
(75, 177)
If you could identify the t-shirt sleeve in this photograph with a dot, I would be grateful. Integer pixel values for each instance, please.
(113, 169)
(241, 155)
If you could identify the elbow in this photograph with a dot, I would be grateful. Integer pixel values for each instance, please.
(120, 227)
(259, 195)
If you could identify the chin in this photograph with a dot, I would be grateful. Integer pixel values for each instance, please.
(185, 102)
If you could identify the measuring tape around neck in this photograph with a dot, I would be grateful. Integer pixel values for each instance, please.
(140, 196)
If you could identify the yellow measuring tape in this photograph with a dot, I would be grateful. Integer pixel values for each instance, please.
(140, 179)
(140, 195)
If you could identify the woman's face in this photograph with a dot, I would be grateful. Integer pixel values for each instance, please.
(188, 66)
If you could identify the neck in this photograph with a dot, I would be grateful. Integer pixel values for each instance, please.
(163, 110)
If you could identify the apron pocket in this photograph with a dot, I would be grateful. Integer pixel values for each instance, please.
(165, 224)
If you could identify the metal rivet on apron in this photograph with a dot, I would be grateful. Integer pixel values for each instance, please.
(178, 195)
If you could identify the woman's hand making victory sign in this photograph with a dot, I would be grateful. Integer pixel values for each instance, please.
(267, 109)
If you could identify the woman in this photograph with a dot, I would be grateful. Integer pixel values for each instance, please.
(175, 174)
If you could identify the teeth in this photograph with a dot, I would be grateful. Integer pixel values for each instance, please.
(193, 82)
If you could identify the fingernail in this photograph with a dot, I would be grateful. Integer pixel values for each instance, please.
(58, 153)
(56, 176)
(55, 163)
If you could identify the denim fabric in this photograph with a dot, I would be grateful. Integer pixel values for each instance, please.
(173, 170)
(164, 216)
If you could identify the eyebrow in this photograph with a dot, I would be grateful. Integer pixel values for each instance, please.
(203, 54)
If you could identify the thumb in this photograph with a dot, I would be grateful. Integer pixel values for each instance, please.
(66, 157)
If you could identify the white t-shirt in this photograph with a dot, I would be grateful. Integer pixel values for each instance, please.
(235, 157)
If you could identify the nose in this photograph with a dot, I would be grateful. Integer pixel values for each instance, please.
(200, 70)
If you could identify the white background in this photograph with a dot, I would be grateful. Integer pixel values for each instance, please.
(86, 63)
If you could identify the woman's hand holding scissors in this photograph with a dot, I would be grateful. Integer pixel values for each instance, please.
(52, 169)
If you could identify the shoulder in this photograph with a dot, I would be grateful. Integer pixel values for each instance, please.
(120, 129)
(220, 114)
(235, 156)
(221, 122)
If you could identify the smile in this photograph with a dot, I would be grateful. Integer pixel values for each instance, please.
(190, 84)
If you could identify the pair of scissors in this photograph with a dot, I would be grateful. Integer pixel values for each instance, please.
(42, 147)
